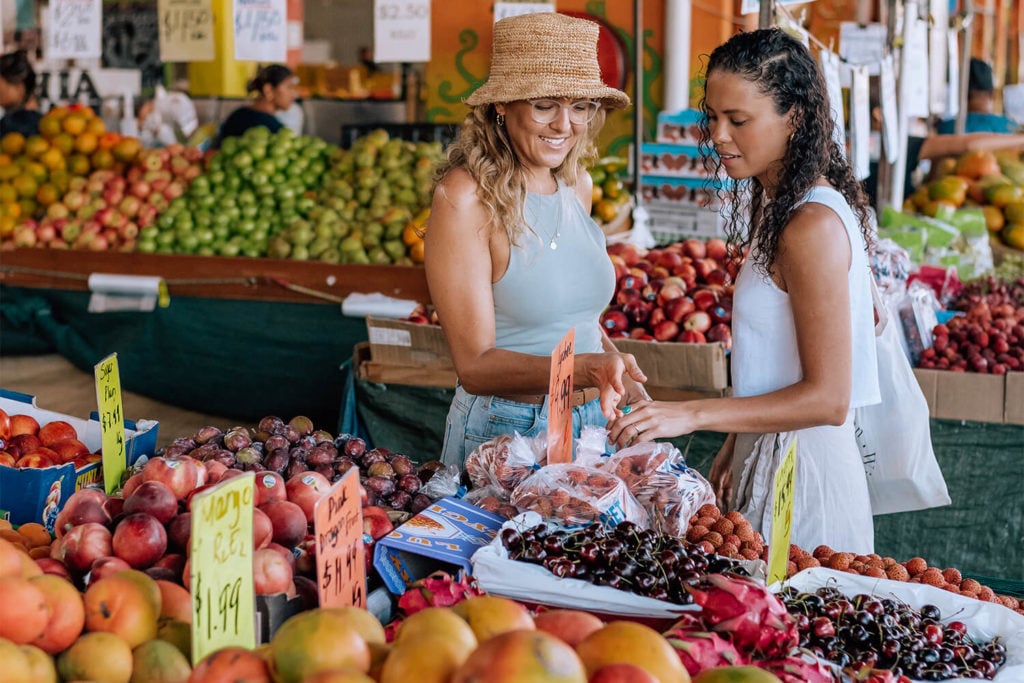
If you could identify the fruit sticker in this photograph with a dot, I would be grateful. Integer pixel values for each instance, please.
(782, 515)
(560, 401)
(340, 553)
(221, 559)
(108, 398)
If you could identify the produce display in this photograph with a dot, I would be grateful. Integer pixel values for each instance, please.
(610, 202)
(24, 443)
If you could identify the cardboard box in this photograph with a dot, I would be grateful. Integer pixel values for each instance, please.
(674, 161)
(679, 127)
(37, 495)
(443, 536)
(367, 368)
(396, 342)
(963, 395)
(672, 365)
(1013, 411)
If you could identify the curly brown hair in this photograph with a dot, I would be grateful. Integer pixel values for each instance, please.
(784, 70)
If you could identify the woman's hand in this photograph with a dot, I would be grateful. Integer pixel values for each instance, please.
(610, 372)
(720, 475)
(650, 420)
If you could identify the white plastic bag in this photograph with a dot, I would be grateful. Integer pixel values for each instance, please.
(894, 436)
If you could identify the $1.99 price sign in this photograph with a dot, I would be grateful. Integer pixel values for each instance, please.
(560, 401)
(223, 595)
(108, 400)
(782, 515)
(340, 553)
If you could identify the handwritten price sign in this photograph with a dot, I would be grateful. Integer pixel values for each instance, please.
(340, 553)
(401, 31)
(782, 515)
(74, 29)
(261, 33)
(186, 30)
(560, 401)
(223, 595)
(108, 400)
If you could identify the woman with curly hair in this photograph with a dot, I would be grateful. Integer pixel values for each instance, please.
(513, 260)
(803, 328)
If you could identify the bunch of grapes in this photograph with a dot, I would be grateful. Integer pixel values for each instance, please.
(626, 557)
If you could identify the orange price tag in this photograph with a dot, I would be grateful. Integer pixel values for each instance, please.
(560, 401)
(340, 553)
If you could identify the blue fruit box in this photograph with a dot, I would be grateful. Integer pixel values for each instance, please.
(443, 536)
(37, 495)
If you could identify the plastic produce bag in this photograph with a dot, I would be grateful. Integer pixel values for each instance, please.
(657, 475)
(444, 483)
(493, 500)
(572, 495)
(503, 463)
(918, 318)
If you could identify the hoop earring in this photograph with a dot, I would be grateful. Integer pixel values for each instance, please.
(500, 118)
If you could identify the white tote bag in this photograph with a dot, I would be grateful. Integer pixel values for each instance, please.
(894, 436)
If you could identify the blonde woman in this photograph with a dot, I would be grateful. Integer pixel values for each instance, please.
(513, 259)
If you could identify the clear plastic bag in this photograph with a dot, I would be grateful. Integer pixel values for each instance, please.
(657, 475)
(493, 500)
(502, 463)
(572, 495)
(444, 483)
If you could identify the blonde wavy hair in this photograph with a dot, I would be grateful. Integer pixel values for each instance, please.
(484, 150)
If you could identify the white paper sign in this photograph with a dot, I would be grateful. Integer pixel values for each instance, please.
(1013, 102)
(860, 122)
(186, 30)
(953, 62)
(401, 31)
(74, 29)
(503, 10)
(830, 70)
(890, 111)
(938, 20)
(261, 33)
(862, 44)
(916, 69)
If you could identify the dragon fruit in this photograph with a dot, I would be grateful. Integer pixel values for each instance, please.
(798, 670)
(743, 610)
(437, 590)
(700, 650)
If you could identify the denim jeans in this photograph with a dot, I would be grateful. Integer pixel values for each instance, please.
(473, 420)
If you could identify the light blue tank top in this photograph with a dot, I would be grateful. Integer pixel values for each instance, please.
(546, 291)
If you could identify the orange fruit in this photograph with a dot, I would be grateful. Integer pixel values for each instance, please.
(49, 125)
(606, 210)
(1013, 235)
(78, 164)
(96, 126)
(63, 142)
(47, 194)
(417, 252)
(26, 186)
(1013, 212)
(127, 149)
(102, 159)
(87, 142)
(97, 656)
(35, 146)
(12, 143)
(35, 533)
(74, 124)
(975, 164)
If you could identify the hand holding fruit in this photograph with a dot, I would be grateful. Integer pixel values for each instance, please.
(606, 371)
(650, 420)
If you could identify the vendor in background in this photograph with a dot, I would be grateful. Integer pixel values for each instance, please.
(169, 118)
(803, 353)
(274, 86)
(17, 95)
(981, 103)
(513, 259)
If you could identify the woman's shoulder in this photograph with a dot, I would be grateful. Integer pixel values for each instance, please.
(459, 188)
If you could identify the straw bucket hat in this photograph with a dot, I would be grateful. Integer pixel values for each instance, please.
(545, 54)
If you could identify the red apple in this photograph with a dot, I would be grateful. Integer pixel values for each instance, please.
(614, 320)
(718, 277)
(657, 316)
(131, 484)
(691, 337)
(637, 312)
(704, 267)
(640, 334)
(262, 529)
(632, 281)
(704, 298)
(670, 260)
(288, 521)
(271, 572)
(23, 444)
(628, 295)
(153, 498)
(666, 330)
(269, 486)
(694, 248)
(140, 540)
(698, 321)
(678, 308)
(23, 424)
(52, 432)
(179, 473)
(717, 249)
(305, 489)
(69, 449)
(673, 288)
(84, 544)
(720, 333)
(37, 459)
(720, 313)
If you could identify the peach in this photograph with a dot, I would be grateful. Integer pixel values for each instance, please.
(69, 449)
(305, 489)
(140, 540)
(271, 572)
(86, 505)
(133, 483)
(175, 602)
(84, 544)
(269, 486)
(37, 459)
(23, 424)
(179, 473)
(7, 459)
(58, 430)
(289, 522)
(23, 444)
(152, 498)
(103, 567)
(262, 529)
(571, 626)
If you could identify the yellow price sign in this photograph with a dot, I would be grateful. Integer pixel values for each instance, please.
(340, 552)
(111, 410)
(782, 515)
(223, 594)
(560, 400)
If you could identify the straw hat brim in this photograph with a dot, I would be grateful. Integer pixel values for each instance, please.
(495, 93)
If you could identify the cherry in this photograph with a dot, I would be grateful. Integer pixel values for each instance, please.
(933, 633)
(822, 627)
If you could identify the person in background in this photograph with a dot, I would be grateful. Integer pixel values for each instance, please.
(803, 353)
(168, 118)
(274, 86)
(981, 102)
(513, 259)
(18, 95)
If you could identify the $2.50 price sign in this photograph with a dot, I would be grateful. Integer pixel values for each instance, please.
(108, 400)
(560, 400)
(340, 553)
(782, 515)
(223, 595)
(186, 30)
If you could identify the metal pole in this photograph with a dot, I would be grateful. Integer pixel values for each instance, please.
(766, 14)
(638, 95)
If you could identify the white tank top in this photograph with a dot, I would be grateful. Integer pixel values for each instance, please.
(765, 356)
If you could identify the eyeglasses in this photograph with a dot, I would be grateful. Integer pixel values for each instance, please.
(580, 112)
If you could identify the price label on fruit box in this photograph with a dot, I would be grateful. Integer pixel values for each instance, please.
(560, 401)
(74, 29)
(261, 30)
(186, 30)
(108, 400)
(340, 552)
(782, 515)
(221, 566)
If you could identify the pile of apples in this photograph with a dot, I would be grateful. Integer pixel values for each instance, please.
(110, 210)
(24, 443)
(678, 293)
(989, 338)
